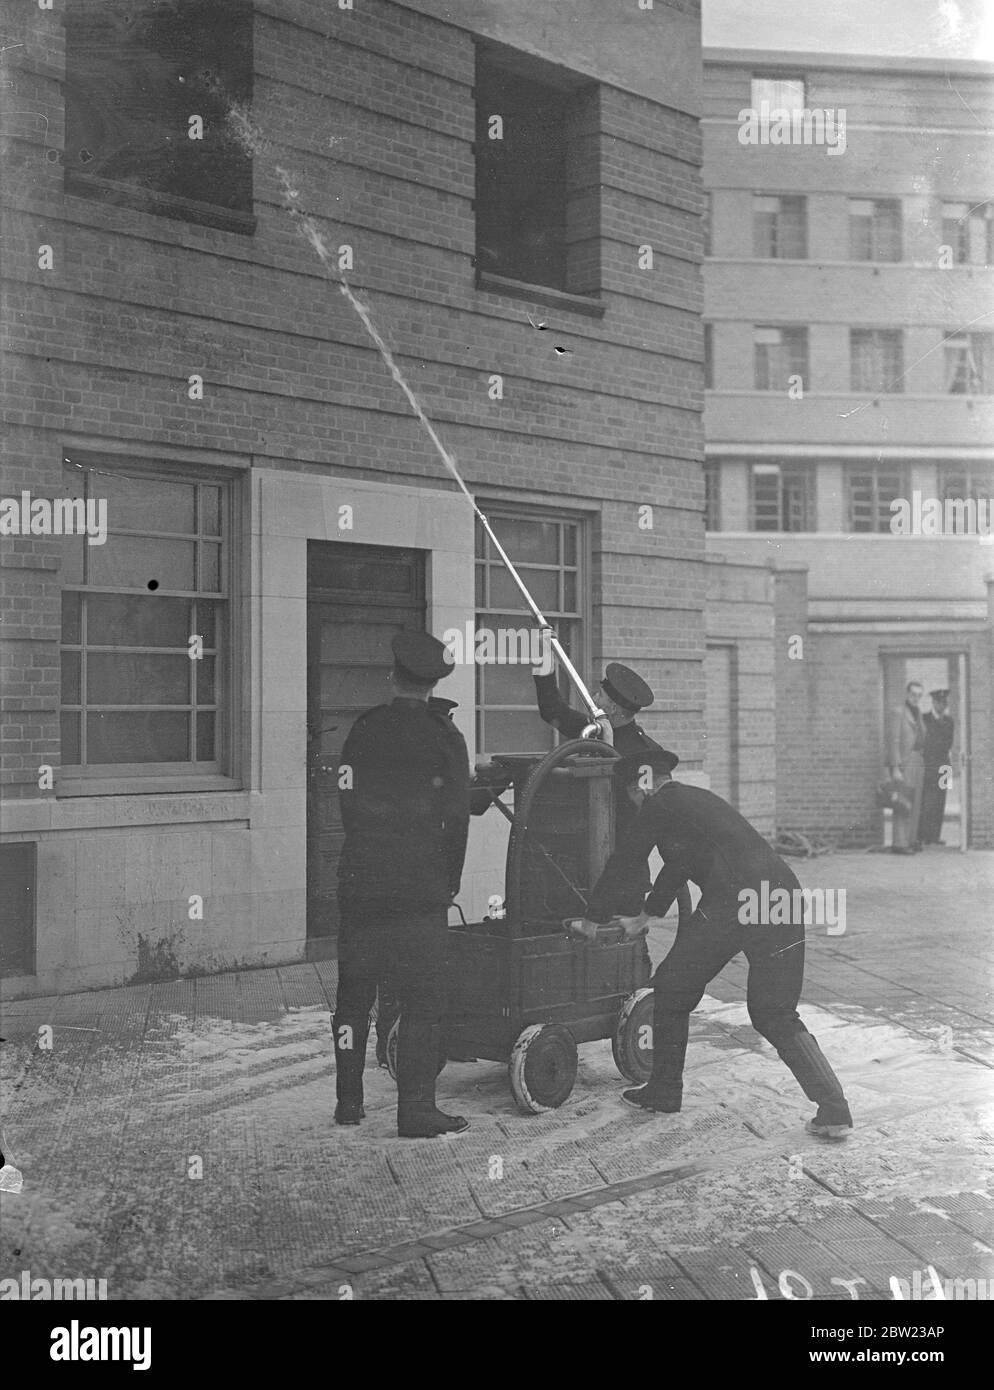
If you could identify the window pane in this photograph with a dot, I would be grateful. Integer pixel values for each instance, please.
(210, 510)
(507, 685)
(205, 680)
(569, 544)
(144, 504)
(132, 678)
(210, 567)
(524, 540)
(130, 620)
(71, 628)
(541, 584)
(206, 620)
(570, 600)
(69, 737)
(155, 736)
(206, 752)
(71, 678)
(132, 562)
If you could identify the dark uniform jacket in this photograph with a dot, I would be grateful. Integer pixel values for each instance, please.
(406, 815)
(939, 734)
(699, 837)
(629, 739)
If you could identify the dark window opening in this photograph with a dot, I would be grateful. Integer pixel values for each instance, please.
(136, 77)
(537, 174)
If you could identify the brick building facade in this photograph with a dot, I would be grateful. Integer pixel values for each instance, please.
(850, 363)
(180, 353)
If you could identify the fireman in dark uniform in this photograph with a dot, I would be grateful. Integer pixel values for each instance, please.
(484, 788)
(621, 694)
(700, 837)
(940, 730)
(405, 809)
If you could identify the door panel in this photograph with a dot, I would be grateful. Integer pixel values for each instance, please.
(358, 598)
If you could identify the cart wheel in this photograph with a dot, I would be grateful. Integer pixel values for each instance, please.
(392, 1052)
(632, 1041)
(542, 1066)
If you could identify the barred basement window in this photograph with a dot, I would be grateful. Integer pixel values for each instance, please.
(779, 227)
(876, 360)
(871, 490)
(780, 353)
(875, 229)
(135, 704)
(969, 364)
(969, 230)
(780, 498)
(140, 79)
(548, 552)
(537, 173)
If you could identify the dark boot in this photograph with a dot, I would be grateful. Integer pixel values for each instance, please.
(418, 1117)
(664, 1089)
(349, 1065)
(801, 1053)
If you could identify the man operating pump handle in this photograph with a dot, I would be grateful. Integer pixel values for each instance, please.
(702, 838)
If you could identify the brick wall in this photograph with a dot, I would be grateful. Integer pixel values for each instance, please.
(371, 113)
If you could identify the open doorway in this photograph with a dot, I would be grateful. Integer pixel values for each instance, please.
(934, 671)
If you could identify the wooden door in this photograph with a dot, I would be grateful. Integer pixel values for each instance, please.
(358, 598)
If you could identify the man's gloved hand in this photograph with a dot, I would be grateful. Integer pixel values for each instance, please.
(636, 926)
(581, 927)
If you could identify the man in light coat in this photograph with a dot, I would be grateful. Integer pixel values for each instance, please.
(906, 766)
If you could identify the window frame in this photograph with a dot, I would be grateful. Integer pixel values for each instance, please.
(895, 385)
(786, 471)
(981, 211)
(496, 510)
(802, 338)
(773, 253)
(874, 469)
(778, 79)
(118, 779)
(875, 231)
(159, 203)
(569, 86)
(975, 348)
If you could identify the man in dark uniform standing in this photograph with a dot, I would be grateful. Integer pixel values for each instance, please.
(620, 694)
(700, 837)
(940, 730)
(404, 789)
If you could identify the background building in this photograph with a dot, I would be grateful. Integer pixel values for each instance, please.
(849, 306)
(175, 349)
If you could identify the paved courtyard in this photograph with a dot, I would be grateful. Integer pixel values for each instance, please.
(177, 1139)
